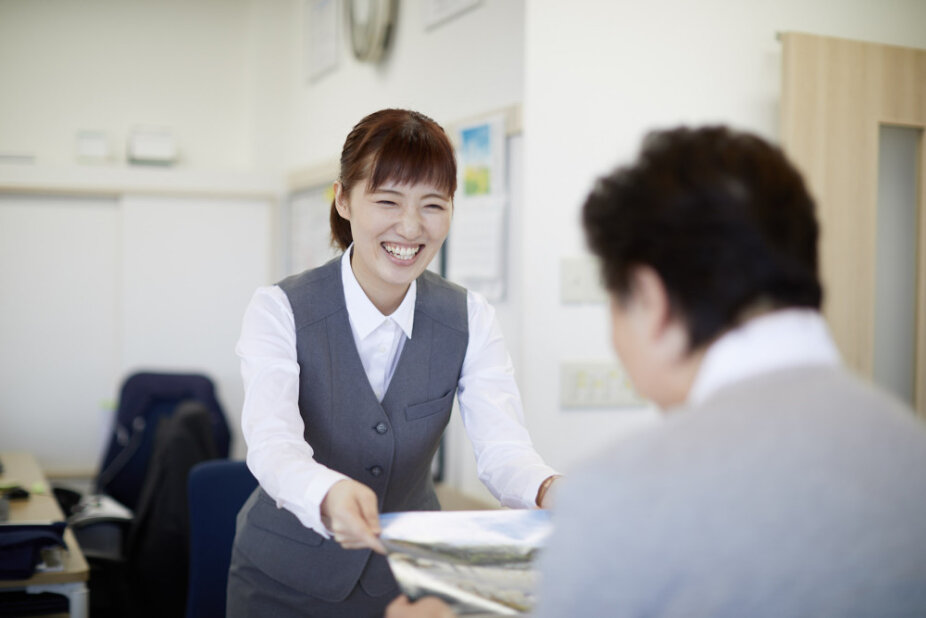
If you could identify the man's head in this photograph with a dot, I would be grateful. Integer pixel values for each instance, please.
(707, 227)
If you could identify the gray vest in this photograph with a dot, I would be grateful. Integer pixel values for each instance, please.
(388, 446)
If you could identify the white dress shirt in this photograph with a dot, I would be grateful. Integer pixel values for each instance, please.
(777, 340)
(281, 459)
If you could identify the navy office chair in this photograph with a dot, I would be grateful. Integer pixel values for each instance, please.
(218, 489)
(103, 520)
(145, 399)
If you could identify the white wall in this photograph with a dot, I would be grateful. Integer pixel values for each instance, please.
(272, 42)
(59, 348)
(598, 76)
(109, 65)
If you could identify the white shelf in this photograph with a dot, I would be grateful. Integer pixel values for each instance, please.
(120, 180)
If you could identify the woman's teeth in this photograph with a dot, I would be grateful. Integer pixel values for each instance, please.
(403, 253)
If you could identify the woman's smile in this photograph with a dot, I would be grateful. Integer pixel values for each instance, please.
(403, 253)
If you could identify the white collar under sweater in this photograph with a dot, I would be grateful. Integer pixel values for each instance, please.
(778, 340)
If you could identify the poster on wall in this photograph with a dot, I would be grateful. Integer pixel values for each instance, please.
(476, 246)
(482, 158)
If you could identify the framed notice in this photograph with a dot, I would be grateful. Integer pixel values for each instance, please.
(322, 24)
(477, 242)
(439, 11)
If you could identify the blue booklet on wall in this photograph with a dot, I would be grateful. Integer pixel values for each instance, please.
(480, 562)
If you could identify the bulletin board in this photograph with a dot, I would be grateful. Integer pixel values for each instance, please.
(477, 244)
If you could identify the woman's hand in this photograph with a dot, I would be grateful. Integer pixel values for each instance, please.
(428, 607)
(349, 511)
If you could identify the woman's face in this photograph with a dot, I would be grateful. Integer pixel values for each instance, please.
(397, 231)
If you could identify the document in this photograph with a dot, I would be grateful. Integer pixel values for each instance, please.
(480, 562)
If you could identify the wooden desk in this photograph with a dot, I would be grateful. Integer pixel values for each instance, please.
(71, 581)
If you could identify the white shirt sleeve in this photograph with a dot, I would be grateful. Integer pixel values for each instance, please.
(278, 454)
(490, 406)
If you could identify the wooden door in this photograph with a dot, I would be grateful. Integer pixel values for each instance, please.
(836, 96)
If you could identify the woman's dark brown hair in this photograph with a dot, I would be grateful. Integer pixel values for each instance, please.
(393, 145)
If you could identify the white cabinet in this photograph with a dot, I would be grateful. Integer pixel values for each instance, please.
(93, 288)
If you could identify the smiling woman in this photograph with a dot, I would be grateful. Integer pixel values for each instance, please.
(351, 370)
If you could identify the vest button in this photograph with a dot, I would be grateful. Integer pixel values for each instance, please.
(381, 428)
(376, 470)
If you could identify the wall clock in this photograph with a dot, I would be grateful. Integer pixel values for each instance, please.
(371, 23)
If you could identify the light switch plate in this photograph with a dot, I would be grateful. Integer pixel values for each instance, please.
(596, 384)
(580, 281)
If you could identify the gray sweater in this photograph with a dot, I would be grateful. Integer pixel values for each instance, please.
(797, 493)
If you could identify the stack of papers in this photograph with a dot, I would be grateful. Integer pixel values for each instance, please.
(477, 561)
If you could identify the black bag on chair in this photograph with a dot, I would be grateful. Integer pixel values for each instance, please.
(157, 549)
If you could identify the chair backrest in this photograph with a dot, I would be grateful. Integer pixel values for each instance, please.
(218, 489)
(145, 399)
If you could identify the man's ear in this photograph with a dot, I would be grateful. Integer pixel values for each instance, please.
(649, 294)
(340, 200)
(663, 329)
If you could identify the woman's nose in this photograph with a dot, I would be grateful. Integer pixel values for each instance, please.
(410, 223)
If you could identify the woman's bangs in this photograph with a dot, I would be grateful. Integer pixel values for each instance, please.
(408, 162)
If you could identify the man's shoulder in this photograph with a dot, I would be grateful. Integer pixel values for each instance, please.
(821, 414)
(819, 398)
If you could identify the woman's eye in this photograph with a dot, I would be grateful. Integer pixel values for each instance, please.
(386, 202)
(435, 206)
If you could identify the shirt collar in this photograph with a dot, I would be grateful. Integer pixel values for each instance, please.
(778, 340)
(363, 313)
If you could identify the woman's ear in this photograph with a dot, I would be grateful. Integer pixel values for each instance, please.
(340, 200)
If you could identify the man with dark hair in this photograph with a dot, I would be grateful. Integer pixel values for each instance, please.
(779, 484)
